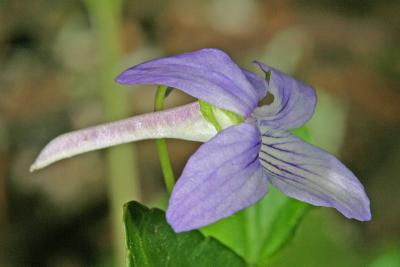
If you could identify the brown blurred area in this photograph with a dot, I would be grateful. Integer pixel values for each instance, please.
(58, 216)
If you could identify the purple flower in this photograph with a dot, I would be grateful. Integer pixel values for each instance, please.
(234, 168)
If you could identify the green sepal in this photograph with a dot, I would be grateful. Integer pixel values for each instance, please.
(208, 113)
(236, 119)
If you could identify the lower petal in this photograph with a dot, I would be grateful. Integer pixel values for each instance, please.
(221, 178)
(309, 174)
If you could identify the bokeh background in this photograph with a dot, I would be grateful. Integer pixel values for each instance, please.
(57, 62)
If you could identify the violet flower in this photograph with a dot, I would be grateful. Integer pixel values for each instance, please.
(247, 147)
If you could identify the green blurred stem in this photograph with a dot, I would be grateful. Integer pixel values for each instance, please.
(162, 148)
(123, 183)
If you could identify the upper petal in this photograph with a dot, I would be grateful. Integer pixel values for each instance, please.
(222, 177)
(207, 74)
(307, 173)
(293, 104)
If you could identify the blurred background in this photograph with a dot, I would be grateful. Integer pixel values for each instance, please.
(58, 60)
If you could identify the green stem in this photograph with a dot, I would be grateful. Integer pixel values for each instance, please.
(123, 183)
(162, 148)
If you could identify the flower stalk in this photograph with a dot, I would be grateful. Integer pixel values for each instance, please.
(161, 144)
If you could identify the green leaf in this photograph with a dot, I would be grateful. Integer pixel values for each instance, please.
(152, 242)
(282, 228)
(391, 257)
(262, 230)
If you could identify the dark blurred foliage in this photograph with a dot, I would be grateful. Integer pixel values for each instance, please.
(59, 216)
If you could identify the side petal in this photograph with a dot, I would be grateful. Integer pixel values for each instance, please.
(293, 104)
(207, 74)
(221, 178)
(307, 173)
(260, 85)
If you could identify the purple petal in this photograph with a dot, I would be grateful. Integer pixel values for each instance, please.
(260, 85)
(293, 104)
(307, 173)
(222, 177)
(207, 74)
